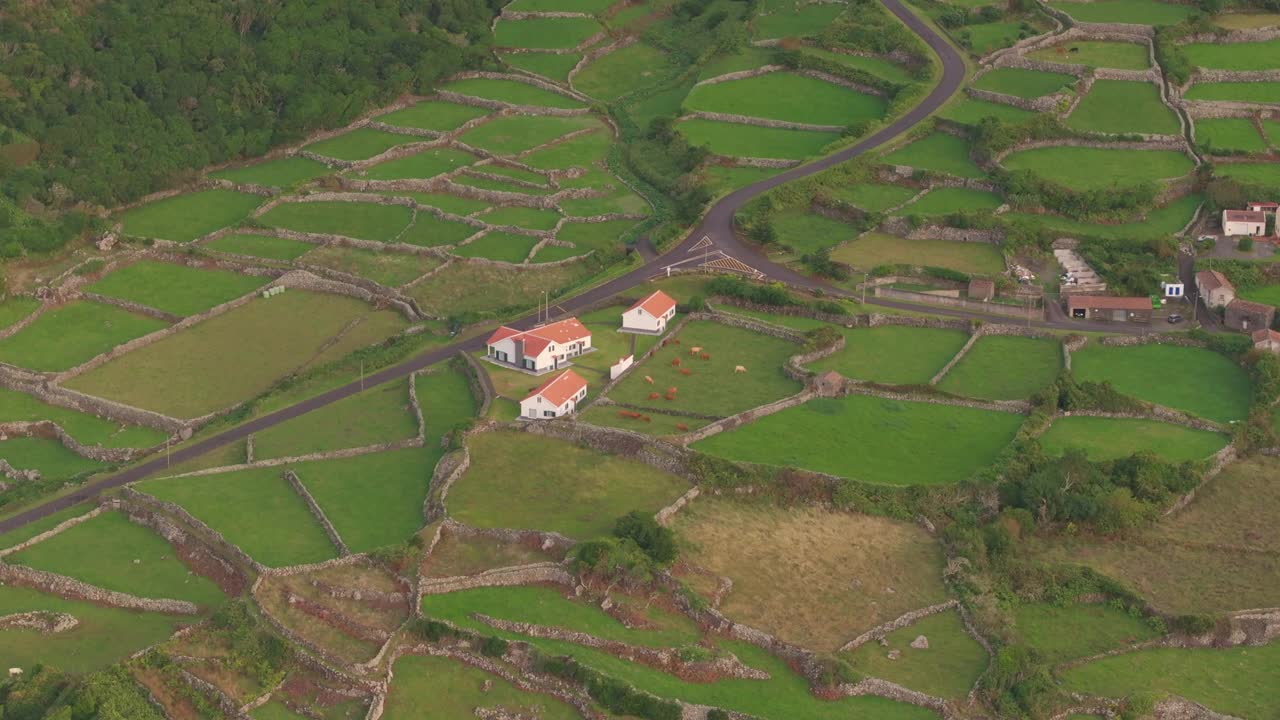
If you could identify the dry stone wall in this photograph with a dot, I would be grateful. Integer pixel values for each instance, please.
(48, 428)
(1044, 104)
(68, 587)
(747, 416)
(42, 621)
(761, 122)
(897, 624)
(532, 574)
(316, 511)
(36, 385)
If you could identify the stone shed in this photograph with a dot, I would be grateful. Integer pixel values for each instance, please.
(829, 384)
(1249, 316)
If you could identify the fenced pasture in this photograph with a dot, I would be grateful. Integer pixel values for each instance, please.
(502, 246)
(422, 165)
(185, 217)
(1076, 631)
(360, 144)
(439, 686)
(620, 72)
(1134, 12)
(1201, 382)
(67, 336)
(948, 668)
(260, 246)
(514, 134)
(737, 140)
(1235, 56)
(796, 20)
(789, 97)
(177, 289)
(893, 354)
(377, 415)
(50, 457)
(431, 231)
(1244, 92)
(1000, 367)
(872, 249)
(86, 428)
(807, 232)
(1267, 174)
(1124, 106)
(938, 151)
(552, 66)
(878, 66)
(544, 33)
(1112, 438)
(1023, 83)
(1083, 168)
(363, 221)
(1097, 53)
(438, 115)
(946, 200)
(523, 217)
(1232, 134)
(873, 197)
(968, 111)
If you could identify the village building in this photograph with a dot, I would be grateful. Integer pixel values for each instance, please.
(1214, 288)
(1268, 340)
(1249, 316)
(1267, 208)
(651, 315)
(1106, 307)
(1244, 222)
(1173, 289)
(554, 398)
(542, 349)
(983, 290)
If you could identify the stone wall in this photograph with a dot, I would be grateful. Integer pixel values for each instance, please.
(42, 621)
(742, 74)
(964, 350)
(857, 387)
(532, 574)
(897, 623)
(624, 443)
(70, 588)
(761, 122)
(55, 530)
(746, 417)
(195, 554)
(1176, 144)
(446, 473)
(317, 512)
(1044, 104)
(664, 516)
(206, 534)
(481, 384)
(991, 308)
(48, 428)
(35, 385)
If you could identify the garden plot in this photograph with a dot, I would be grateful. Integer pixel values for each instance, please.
(940, 152)
(255, 509)
(421, 165)
(259, 246)
(737, 140)
(176, 289)
(1075, 631)
(947, 200)
(1098, 53)
(711, 386)
(873, 249)
(511, 91)
(50, 457)
(890, 433)
(127, 558)
(1005, 368)
(1112, 438)
(795, 19)
(360, 144)
(86, 428)
(1198, 381)
(438, 115)
(514, 134)
(236, 355)
(73, 334)
(1124, 106)
(552, 66)
(845, 573)
(1134, 12)
(183, 218)
(620, 72)
(893, 354)
(1084, 168)
(1229, 134)
(948, 668)
(282, 173)
(526, 481)
(788, 97)
(544, 33)
(1023, 83)
(1235, 56)
(968, 111)
(1243, 92)
(440, 687)
(360, 220)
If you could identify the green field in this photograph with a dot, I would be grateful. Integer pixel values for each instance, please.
(889, 436)
(433, 115)
(807, 232)
(126, 558)
(1111, 438)
(497, 245)
(282, 173)
(945, 200)
(1235, 56)
(1124, 106)
(1083, 168)
(1000, 367)
(789, 97)
(745, 58)
(523, 217)
(1023, 83)
(256, 510)
(1263, 173)
(511, 91)
(377, 415)
(517, 133)
(713, 388)
(948, 668)
(797, 20)
(185, 217)
(619, 73)
(971, 112)
(463, 287)
(590, 7)
(425, 164)
(581, 151)
(521, 480)
(360, 220)
(1229, 134)
(1267, 294)
(873, 249)
(881, 67)
(360, 144)
(176, 289)
(262, 246)
(1160, 222)
(735, 140)
(74, 334)
(452, 204)
(893, 354)
(389, 269)
(1246, 20)
(544, 33)
(1075, 631)
(15, 308)
(657, 423)
(1135, 12)
(236, 355)
(593, 236)
(440, 687)
(873, 197)
(1098, 53)
(988, 37)
(552, 66)
(1246, 92)
(88, 429)
(940, 152)
(1198, 381)
(50, 457)
(430, 231)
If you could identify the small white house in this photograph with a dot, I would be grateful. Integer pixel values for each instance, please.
(557, 397)
(1173, 289)
(1244, 222)
(540, 350)
(651, 315)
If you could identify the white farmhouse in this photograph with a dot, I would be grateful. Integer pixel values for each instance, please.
(557, 397)
(650, 315)
(1244, 222)
(542, 349)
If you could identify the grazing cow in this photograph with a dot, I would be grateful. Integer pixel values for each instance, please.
(739, 369)
(654, 396)
(706, 356)
(686, 371)
(671, 391)
(648, 379)
(682, 427)
(675, 362)
(695, 350)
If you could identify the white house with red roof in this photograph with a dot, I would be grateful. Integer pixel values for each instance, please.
(651, 315)
(556, 397)
(541, 349)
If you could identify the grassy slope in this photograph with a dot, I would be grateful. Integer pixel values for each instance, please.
(175, 289)
(1005, 368)
(894, 355)
(73, 334)
(1192, 379)
(185, 217)
(1108, 438)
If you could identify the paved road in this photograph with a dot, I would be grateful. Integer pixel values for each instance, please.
(717, 225)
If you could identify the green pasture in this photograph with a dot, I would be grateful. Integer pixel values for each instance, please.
(185, 217)
(872, 249)
(523, 217)
(1235, 56)
(790, 97)
(621, 71)
(1124, 106)
(361, 144)
(126, 558)
(873, 197)
(580, 151)
(893, 354)
(806, 232)
(377, 415)
(438, 115)
(275, 710)
(1083, 168)
(947, 200)
(984, 38)
(1097, 53)
(517, 133)
(1234, 134)
(553, 66)
(880, 67)
(1262, 173)
(940, 152)
(50, 457)
(1023, 83)
(1267, 294)
(1002, 367)
(1246, 92)
(176, 289)
(472, 287)
(73, 334)
(656, 423)
(544, 33)
(522, 480)
(797, 20)
(1246, 20)
(35, 527)
(261, 246)
(499, 184)
(721, 179)
(452, 204)
(360, 220)
(1160, 222)
(1075, 631)
(389, 269)
(888, 435)
(1199, 381)
(254, 509)
(621, 200)
(735, 140)
(427, 686)
(590, 7)
(511, 91)
(282, 173)
(497, 245)
(86, 428)
(421, 165)
(948, 668)
(1134, 12)
(744, 58)
(236, 355)
(447, 402)
(428, 230)
(1112, 438)
(968, 111)
(594, 236)
(512, 172)
(16, 308)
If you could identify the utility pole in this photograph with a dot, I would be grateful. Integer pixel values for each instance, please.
(362, 375)
(166, 453)
(865, 277)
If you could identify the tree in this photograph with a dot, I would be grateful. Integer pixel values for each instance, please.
(656, 541)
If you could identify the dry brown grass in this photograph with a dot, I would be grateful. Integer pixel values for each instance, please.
(812, 577)
(464, 287)
(461, 555)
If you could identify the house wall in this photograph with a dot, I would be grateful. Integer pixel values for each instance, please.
(1244, 228)
(638, 319)
(1219, 297)
(1247, 321)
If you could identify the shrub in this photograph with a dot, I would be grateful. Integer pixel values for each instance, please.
(1245, 244)
(494, 647)
(432, 630)
(658, 542)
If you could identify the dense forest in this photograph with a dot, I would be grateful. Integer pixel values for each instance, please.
(101, 103)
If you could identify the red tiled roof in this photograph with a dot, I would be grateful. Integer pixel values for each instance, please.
(1251, 307)
(501, 334)
(1263, 204)
(535, 340)
(1212, 280)
(1260, 336)
(1243, 216)
(656, 304)
(1106, 302)
(560, 388)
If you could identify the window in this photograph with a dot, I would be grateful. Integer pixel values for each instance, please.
(548, 413)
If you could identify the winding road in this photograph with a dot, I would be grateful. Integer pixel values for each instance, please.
(717, 226)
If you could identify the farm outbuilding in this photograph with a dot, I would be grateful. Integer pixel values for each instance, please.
(1114, 309)
(1244, 222)
(1214, 288)
(1249, 316)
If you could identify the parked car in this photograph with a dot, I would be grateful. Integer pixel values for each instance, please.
(1174, 319)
